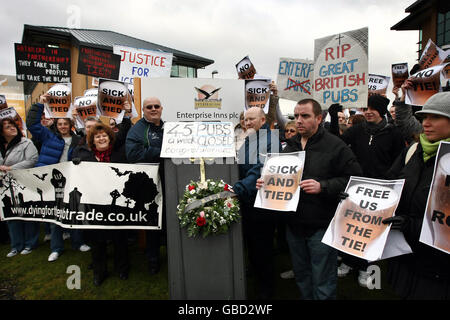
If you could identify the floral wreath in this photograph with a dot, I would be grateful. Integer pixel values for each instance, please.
(208, 207)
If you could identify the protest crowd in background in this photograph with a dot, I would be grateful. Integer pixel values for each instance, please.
(390, 140)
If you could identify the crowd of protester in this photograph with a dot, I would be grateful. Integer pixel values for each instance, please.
(370, 142)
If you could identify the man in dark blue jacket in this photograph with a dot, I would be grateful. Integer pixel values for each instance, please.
(143, 145)
(258, 226)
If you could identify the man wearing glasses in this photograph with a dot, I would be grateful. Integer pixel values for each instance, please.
(143, 145)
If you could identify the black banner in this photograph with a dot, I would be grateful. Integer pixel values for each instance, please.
(42, 64)
(98, 63)
(84, 196)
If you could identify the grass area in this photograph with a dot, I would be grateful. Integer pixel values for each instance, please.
(32, 277)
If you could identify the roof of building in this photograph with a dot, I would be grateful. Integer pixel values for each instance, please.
(105, 39)
(418, 14)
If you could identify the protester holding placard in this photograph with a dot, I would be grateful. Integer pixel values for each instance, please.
(404, 120)
(17, 152)
(56, 147)
(424, 274)
(102, 147)
(274, 116)
(143, 145)
(328, 165)
(376, 144)
(258, 226)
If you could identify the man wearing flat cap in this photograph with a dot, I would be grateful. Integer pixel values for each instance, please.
(376, 144)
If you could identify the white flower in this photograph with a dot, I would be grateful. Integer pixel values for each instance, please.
(203, 185)
(192, 191)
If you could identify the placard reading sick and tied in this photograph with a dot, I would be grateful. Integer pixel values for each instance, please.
(198, 140)
(281, 173)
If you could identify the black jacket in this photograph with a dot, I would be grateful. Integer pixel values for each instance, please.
(375, 151)
(418, 175)
(329, 161)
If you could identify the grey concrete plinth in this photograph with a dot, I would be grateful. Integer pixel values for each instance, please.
(210, 268)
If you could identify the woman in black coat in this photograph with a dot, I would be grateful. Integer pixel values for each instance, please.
(424, 274)
(101, 148)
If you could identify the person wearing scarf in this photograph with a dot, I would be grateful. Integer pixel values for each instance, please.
(425, 273)
(103, 147)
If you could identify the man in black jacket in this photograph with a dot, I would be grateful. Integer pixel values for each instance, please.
(376, 144)
(328, 165)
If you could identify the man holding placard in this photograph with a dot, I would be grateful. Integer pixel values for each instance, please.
(376, 144)
(259, 227)
(143, 145)
(328, 165)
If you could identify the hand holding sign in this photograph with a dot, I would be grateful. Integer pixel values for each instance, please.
(310, 186)
(360, 225)
(278, 188)
(44, 98)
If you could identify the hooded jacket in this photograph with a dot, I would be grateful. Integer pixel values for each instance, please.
(20, 154)
(52, 143)
(375, 150)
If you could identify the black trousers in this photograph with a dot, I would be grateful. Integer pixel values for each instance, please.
(99, 251)
(259, 230)
(4, 234)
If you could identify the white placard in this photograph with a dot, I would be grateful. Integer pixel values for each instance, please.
(196, 99)
(198, 140)
(341, 69)
(141, 63)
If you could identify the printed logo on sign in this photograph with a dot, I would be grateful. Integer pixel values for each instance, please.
(208, 97)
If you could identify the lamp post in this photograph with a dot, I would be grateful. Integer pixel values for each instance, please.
(213, 73)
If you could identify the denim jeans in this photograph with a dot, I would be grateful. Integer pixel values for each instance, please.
(314, 264)
(23, 234)
(57, 242)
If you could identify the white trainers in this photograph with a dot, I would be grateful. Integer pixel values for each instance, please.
(343, 270)
(26, 251)
(287, 275)
(84, 248)
(66, 235)
(47, 237)
(364, 278)
(53, 256)
(12, 253)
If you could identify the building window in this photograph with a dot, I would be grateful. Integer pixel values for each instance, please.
(443, 29)
(420, 44)
(174, 71)
(183, 72)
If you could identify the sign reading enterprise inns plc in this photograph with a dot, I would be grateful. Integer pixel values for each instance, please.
(194, 99)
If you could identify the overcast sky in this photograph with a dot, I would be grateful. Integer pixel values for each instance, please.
(225, 30)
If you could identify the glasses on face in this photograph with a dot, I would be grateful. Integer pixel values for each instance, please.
(291, 131)
(151, 106)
